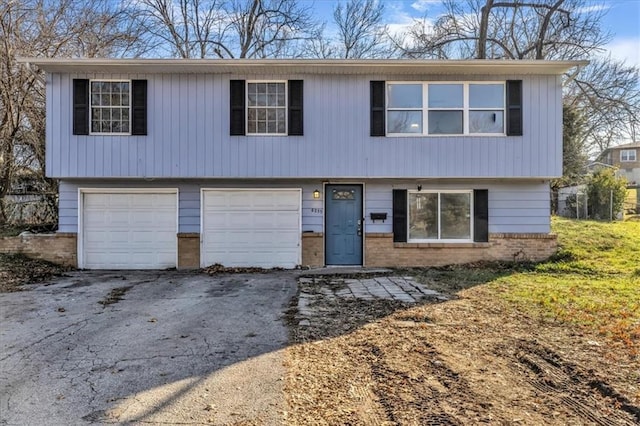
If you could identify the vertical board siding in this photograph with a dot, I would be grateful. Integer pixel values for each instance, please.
(188, 136)
(67, 207)
(521, 207)
(188, 208)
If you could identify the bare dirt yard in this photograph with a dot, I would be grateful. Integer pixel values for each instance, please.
(468, 361)
(17, 270)
(554, 343)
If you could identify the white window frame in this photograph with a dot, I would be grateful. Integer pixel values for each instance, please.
(387, 108)
(286, 107)
(440, 192)
(465, 108)
(110, 80)
(625, 155)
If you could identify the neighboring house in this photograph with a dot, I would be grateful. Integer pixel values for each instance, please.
(279, 163)
(626, 158)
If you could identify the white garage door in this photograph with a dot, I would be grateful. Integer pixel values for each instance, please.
(251, 228)
(131, 230)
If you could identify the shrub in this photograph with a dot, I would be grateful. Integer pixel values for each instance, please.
(603, 187)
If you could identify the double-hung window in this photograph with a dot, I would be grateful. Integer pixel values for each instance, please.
(440, 216)
(445, 108)
(628, 155)
(110, 106)
(267, 108)
(273, 108)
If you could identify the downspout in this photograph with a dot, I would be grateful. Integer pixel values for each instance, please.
(573, 76)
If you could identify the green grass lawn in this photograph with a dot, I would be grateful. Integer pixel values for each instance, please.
(594, 280)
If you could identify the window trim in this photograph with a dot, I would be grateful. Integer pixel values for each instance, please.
(628, 158)
(470, 192)
(117, 80)
(286, 107)
(465, 109)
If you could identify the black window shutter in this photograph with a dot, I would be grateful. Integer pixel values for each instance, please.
(514, 107)
(377, 108)
(236, 123)
(139, 107)
(399, 215)
(480, 215)
(80, 107)
(295, 118)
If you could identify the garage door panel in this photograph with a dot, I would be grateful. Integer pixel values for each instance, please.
(251, 201)
(239, 220)
(253, 258)
(129, 230)
(251, 228)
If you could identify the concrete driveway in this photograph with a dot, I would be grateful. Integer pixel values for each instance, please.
(145, 347)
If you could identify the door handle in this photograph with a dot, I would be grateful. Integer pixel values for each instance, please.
(360, 225)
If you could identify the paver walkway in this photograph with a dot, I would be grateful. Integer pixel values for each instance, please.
(402, 289)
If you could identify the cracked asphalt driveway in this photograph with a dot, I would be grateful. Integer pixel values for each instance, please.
(161, 347)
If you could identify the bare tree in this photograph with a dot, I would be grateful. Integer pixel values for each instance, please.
(227, 28)
(606, 92)
(44, 28)
(517, 29)
(361, 32)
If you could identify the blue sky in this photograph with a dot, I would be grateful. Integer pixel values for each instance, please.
(622, 19)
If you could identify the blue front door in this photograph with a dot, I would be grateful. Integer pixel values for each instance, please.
(343, 224)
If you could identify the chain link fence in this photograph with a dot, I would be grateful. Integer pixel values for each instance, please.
(30, 209)
(574, 202)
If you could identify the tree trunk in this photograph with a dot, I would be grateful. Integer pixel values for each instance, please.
(484, 29)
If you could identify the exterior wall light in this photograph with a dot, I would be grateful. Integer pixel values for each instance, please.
(316, 194)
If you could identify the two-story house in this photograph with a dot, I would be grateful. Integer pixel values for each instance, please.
(279, 163)
(626, 158)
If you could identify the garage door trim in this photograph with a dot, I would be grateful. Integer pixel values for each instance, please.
(202, 214)
(82, 191)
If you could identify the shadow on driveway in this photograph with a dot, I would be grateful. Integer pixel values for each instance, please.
(145, 347)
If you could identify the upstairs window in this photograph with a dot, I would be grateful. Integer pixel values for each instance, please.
(110, 106)
(404, 108)
(445, 108)
(267, 108)
(628, 155)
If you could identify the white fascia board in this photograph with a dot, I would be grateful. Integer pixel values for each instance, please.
(305, 66)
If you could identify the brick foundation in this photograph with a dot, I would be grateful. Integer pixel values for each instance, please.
(381, 251)
(60, 248)
(188, 250)
(312, 249)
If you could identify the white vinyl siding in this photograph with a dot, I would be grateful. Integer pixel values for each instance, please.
(189, 136)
